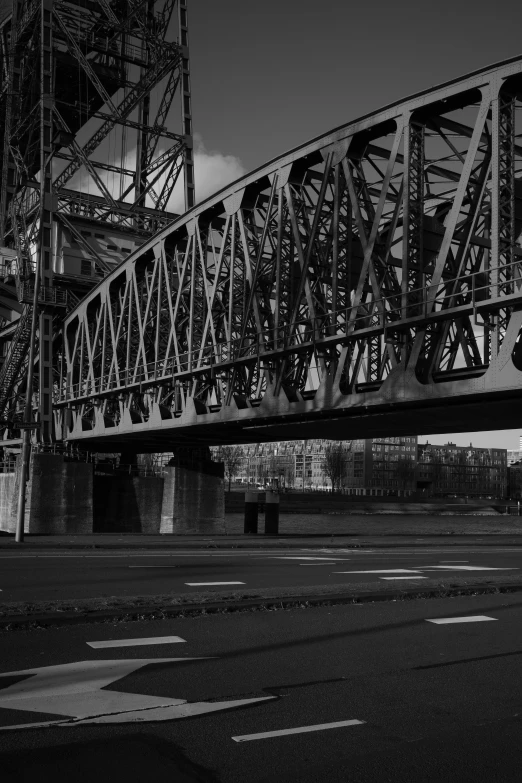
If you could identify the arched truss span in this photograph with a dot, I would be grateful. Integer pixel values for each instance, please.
(366, 282)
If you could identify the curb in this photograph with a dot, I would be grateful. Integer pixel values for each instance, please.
(58, 619)
(453, 539)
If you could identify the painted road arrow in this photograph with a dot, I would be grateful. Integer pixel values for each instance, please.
(76, 690)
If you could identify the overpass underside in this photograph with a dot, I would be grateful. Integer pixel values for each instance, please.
(367, 283)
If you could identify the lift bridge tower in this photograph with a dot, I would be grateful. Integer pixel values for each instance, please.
(96, 141)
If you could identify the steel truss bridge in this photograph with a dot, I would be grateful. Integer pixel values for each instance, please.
(368, 282)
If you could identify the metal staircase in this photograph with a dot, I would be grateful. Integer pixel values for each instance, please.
(18, 350)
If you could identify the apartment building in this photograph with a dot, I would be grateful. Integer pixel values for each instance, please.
(380, 467)
(462, 470)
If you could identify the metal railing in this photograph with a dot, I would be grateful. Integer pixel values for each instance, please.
(53, 296)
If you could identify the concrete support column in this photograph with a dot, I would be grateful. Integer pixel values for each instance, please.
(272, 513)
(58, 497)
(251, 513)
(193, 497)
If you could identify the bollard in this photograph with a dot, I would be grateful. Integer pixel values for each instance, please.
(518, 508)
(271, 513)
(251, 510)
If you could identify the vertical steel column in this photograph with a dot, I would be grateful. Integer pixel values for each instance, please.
(45, 254)
(12, 103)
(43, 276)
(186, 105)
(502, 208)
(412, 265)
(506, 188)
(140, 180)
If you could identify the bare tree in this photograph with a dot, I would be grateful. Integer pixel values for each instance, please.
(437, 468)
(405, 471)
(334, 463)
(231, 456)
(461, 471)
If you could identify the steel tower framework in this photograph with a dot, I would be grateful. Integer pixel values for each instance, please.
(95, 131)
(369, 282)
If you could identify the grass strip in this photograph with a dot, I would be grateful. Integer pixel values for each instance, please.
(114, 606)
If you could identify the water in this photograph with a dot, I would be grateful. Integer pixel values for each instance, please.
(382, 524)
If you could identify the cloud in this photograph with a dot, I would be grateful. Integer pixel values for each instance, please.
(212, 171)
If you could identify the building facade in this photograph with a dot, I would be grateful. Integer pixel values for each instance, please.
(293, 464)
(515, 480)
(462, 470)
(379, 467)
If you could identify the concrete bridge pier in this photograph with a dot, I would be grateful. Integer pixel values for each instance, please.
(71, 498)
(193, 494)
(58, 497)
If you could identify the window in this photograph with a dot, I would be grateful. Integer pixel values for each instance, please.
(86, 268)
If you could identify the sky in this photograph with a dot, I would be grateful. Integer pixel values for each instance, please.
(268, 76)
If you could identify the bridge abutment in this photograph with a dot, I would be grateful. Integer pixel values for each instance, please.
(67, 498)
(58, 497)
(193, 497)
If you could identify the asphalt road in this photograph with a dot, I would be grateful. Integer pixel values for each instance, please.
(66, 575)
(385, 695)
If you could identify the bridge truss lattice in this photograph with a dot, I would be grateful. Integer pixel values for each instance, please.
(95, 132)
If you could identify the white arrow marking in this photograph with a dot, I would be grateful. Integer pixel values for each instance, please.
(150, 640)
(306, 557)
(75, 690)
(466, 568)
(382, 571)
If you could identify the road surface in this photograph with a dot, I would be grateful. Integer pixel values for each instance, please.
(66, 575)
(359, 693)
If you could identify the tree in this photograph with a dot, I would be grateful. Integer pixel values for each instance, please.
(334, 463)
(232, 457)
(437, 467)
(461, 471)
(405, 471)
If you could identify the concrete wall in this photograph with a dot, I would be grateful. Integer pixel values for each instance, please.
(67, 498)
(194, 499)
(59, 496)
(125, 504)
(7, 501)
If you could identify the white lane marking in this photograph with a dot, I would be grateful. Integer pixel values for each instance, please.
(302, 557)
(136, 642)
(317, 564)
(341, 551)
(76, 691)
(382, 571)
(298, 730)
(202, 584)
(466, 568)
(389, 578)
(477, 618)
(453, 561)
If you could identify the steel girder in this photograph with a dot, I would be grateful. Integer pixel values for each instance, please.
(83, 84)
(368, 282)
